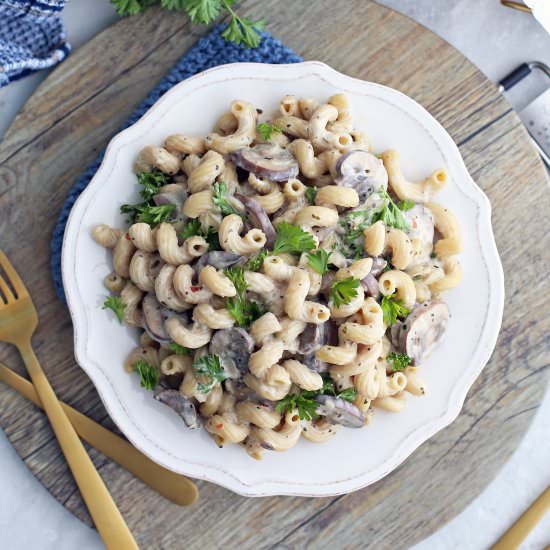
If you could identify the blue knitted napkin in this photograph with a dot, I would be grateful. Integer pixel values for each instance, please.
(32, 37)
(210, 51)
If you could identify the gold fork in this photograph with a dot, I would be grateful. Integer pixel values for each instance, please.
(18, 321)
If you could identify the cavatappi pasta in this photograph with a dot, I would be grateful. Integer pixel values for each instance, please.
(287, 280)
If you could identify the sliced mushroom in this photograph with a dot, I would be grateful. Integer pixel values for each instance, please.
(233, 346)
(219, 259)
(422, 330)
(258, 218)
(363, 171)
(338, 411)
(421, 222)
(378, 265)
(370, 284)
(182, 405)
(327, 280)
(154, 316)
(313, 337)
(239, 389)
(267, 161)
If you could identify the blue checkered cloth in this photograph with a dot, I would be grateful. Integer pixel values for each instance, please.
(210, 51)
(32, 37)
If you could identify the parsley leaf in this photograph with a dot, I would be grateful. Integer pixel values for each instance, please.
(209, 367)
(243, 311)
(291, 238)
(318, 260)
(398, 361)
(343, 290)
(390, 214)
(179, 350)
(193, 227)
(311, 193)
(130, 7)
(329, 388)
(148, 374)
(305, 404)
(152, 215)
(202, 11)
(219, 198)
(117, 305)
(266, 130)
(242, 30)
(406, 205)
(392, 309)
(349, 394)
(213, 239)
(151, 183)
(255, 264)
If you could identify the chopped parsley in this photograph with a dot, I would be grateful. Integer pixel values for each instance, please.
(398, 361)
(209, 367)
(266, 130)
(219, 198)
(179, 350)
(149, 375)
(116, 304)
(343, 290)
(311, 193)
(293, 239)
(255, 263)
(318, 260)
(406, 205)
(193, 227)
(392, 309)
(390, 214)
(244, 311)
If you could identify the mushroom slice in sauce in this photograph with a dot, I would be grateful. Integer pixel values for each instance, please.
(363, 171)
(219, 260)
(258, 218)
(421, 223)
(182, 405)
(267, 161)
(233, 346)
(423, 329)
(338, 411)
(313, 337)
(370, 284)
(153, 319)
(378, 265)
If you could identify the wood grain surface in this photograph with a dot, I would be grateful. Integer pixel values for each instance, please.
(72, 116)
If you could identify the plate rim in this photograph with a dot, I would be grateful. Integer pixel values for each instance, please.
(409, 443)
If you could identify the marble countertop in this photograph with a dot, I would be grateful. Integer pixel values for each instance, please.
(496, 39)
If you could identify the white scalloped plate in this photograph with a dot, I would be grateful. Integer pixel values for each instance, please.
(354, 458)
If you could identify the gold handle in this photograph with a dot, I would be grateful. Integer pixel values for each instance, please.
(107, 518)
(516, 6)
(170, 485)
(523, 526)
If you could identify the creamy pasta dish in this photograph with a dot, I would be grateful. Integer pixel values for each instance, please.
(287, 279)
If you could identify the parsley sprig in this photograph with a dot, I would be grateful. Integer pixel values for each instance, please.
(392, 309)
(209, 367)
(267, 130)
(390, 213)
(193, 227)
(398, 361)
(240, 30)
(343, 291)
(116, 304)
(311, 193)
(219, 198)
(179, 350)
(293, 239)
(147, 211)
(244, 311)
(255, 263)
(149, 375)
(318, 260)
(305, 403)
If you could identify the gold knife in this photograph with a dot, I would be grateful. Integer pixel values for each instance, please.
(170, 485)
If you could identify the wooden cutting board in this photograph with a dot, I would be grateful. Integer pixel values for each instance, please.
(72, 116)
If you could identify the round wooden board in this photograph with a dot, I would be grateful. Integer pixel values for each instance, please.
(72, 116)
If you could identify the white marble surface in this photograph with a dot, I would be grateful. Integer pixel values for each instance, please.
(496, 39)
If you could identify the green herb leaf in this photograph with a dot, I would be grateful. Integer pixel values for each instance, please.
(190, 229)
(392, 309)
(311, 193)
(236, 276)
(349, 394)
(390, 214)
(179, 350)
(152, 215)
(343, 290)
(398, 361)
(293, 239)
(318, 260)
(304, 404)
(131, 7)
(210, 367)
(202, 11)
(242, 30)
(151, 183)
(148, 374)
(266, 130)
(219, 198)
(116, 304)
(255, 263)
(243, 311)
(213, 239)
(406, 204)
